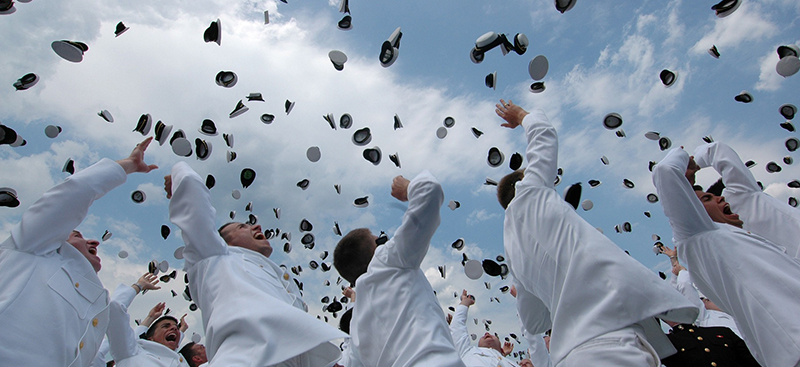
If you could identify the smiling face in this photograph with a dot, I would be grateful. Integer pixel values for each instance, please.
(165, 332)
(246, 236)
(718, 209)
(490, 341)
(86, 247)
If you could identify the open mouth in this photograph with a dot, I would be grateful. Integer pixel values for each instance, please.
(259, 236)
(92, 250)
(727, 209)
(171, 337)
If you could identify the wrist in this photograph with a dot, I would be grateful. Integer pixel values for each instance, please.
(137, 287)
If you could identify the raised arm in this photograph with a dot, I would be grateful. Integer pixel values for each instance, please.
(412, 239)
(191, 210)
(542, 150)
(684, 210)
(458, 326)
(533, 314)
(49, 221)
(735, 175)
(122, 339)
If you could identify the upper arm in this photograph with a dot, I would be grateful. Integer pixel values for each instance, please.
(191, 210)
(122, 340)
(735, 175)
(684, 210)
(47, 223)
(533, 313)
(411, 241)
(542, 150)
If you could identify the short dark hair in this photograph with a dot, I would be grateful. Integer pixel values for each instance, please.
(353, 254)
(188, 353)
(506, 189)
(344, 321)
(222, 228)
(152, 329)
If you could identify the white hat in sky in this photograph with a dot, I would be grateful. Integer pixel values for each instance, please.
(70, 50)
(538, 67)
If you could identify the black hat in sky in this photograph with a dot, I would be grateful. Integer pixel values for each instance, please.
(362, 136)
(612, 121)
(202, 149)
(69, 166)
(214, 32)
(255, 97)
(573, 195)
(27, 81)
(346, 121)
(668, 77)
(390, 49)
(247, 177)
(664, 143)
(361, 202)
(491, 80)
(70, 50)
(106, 116)
(495, 157)
(373, 155)
(303, 184)
(210, 181)
(491, 268)
(792, 144)
(208, 127)
(788, 111)
(346, 23)
(8, 197)
(726, 7)
(537, 87)
(138, 196)
(239, 109)
(288, 106)
(120, 29)
(744, 97)
(165, 231)
(226, 79)
(52, 131)
(564, 5)
(7, 7)
(515, 162)
(538, 67)
(267, 118)
(144, 124)
(338, 58)
(714, 52)
(162, 132)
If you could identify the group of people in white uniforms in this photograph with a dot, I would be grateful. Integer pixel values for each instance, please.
(600, 304)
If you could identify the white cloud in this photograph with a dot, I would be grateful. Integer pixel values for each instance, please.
(478, 216)
(748, 24)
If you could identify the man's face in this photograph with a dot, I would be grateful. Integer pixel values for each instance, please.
(166, 333)
(490, 341)
(718, 209)
(86, 247)
(247, 236)
(547, 342)
(199, 354)
(525, 363)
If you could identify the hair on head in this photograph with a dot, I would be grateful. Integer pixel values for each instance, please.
(506, 189)
(353, 254)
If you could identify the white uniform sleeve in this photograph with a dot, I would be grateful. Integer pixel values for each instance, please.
(532, 312)
(542, 150)
(684, 285)
(121, 338)
(735, 175)
(684, 210)
(191, 210)
(47, 223)
(458, 330)
(411, 241)
(537, 350)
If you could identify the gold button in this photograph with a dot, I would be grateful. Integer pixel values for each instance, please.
(699, 338)
(726, 345)
(707, 350)
(181, 359)
(77, 285)
(713, 364)
(80, 346)
(94, 322)
(691, 330)
(285, 276)
(683, 349)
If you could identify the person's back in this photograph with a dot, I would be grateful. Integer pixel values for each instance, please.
(568, 275)
(397, 320)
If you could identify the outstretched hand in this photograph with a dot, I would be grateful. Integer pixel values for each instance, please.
(183, 326)
(148, 281)
(507, 348)
(168, 186)
(467, 299)
(510, 112)
(135, 162)
(691, 170)
(154, 314)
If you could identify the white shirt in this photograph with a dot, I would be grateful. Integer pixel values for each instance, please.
(252, 311)
(474, 356)
(127, 349)
(569, 276)
(537, 349)
(397, 320)
(706, 318)
(749, 277)
(53, 307)
(762, 214)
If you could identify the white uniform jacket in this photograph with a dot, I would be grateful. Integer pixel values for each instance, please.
(53, 307)
(474, 356)
(127, 349)
(253, 313)
(569, 276)
(762, 214)
(537, 349)
(707, 318)
(397, 320)
(749, 277)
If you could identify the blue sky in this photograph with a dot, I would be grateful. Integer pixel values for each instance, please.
(605, 56)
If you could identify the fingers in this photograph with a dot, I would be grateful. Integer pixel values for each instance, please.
(144, 144)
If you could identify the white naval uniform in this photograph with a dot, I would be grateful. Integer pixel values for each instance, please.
(397, 320)
(762, 214)
(744, 274)
(252, 310)
(569, 277)
(706, 318)
(474, 356)
(53, 307)
(537, 349)
(127, 349)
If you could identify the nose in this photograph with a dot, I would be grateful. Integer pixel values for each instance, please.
(257, 227)
(93, 242)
